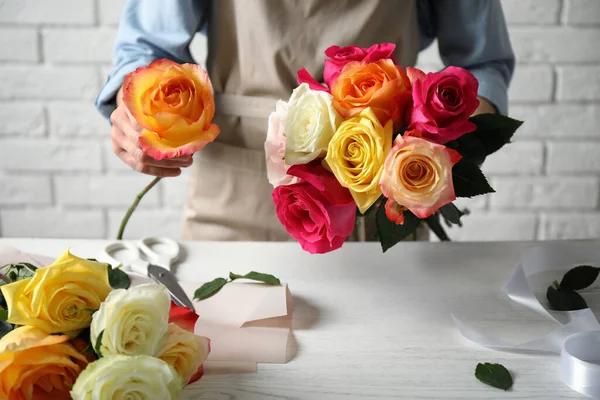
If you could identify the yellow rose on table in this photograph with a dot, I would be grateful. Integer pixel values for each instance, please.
(37, 366)
(132, 322)
(308, 125)
(184, 351)
(50, 299)
(124, 377)
(174, 104)
(356, 156)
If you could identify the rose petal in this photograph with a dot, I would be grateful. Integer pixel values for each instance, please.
(305, 77)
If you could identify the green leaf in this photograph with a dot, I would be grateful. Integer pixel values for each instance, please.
(452, 214)
(3, 315)
(256, 276)
(579, 277)
(468, 180)
(565, 300)
(5, 327)
(389, 233)
(470, 147)
(97, 348)
(118, 279)
(209, 288)
(433, 222)
(495, 375)
(494, 130)
(17, 272)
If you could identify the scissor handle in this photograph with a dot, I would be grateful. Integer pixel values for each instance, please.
(135, 263)
(166, 259)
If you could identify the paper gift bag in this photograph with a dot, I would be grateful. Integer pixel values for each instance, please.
(247, 322)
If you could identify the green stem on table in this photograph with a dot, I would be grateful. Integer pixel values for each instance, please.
(132, 208)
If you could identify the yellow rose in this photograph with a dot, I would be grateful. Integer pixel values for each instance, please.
(356, 156)
(35, 365)
(50, 299)
(125, 377)
(184, 351)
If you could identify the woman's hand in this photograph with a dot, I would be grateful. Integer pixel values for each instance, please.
(485, 107)
(124, 136)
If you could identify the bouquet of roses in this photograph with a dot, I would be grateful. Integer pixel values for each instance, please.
(75, 330)
(377, 137)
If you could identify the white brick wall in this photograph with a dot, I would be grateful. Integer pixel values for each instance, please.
(59, 178)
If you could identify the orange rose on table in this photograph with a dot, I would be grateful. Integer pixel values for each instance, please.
(174, 105)
(35, 365)
(380, 85)
(417, 176)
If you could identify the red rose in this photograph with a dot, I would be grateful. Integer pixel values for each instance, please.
(318, 212)
(443, 102)
(183, 317)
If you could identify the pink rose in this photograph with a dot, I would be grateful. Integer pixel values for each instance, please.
(417, 175)
(318, 212)
(275, 148)
(443, 102)
(340, 56)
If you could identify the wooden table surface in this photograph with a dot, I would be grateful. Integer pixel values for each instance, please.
(374, 326)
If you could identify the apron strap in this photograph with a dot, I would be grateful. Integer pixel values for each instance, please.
(243, 106)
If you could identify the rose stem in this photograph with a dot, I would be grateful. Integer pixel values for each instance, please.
(132, 208)
(434, 224)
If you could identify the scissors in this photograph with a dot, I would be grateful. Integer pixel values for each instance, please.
(158, 266)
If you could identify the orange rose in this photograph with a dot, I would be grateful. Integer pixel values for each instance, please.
(35, 365)
(174, 105)
(381, 85)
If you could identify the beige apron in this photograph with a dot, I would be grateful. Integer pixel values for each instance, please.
(255, 48)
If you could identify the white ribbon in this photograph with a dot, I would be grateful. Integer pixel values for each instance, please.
(578, 338)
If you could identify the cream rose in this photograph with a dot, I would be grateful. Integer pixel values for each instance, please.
(418, 174)
(184, 351)
(123, 377)
(309, 124)
(132, 322)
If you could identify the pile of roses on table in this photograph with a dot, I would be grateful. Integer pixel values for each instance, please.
(76, 337)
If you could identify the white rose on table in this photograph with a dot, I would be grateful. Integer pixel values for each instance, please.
(132, 322)
(124, 377)
(309, 124)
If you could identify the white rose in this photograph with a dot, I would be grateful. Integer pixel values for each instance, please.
(184, 351)
(124, 377)
(275, 148)
(134, 321)
(309, 125)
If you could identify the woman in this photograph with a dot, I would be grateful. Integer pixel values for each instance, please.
(255, 48)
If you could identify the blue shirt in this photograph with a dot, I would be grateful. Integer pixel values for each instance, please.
(471, 34)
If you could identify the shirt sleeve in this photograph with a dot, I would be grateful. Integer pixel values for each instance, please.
(150, 30)
(472, 34)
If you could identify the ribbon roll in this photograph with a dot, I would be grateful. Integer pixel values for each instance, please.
(578, 338)
(580, 363)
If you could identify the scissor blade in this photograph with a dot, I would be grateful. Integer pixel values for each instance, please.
(165, 277)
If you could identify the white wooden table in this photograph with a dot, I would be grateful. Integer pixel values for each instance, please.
(371, 325)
